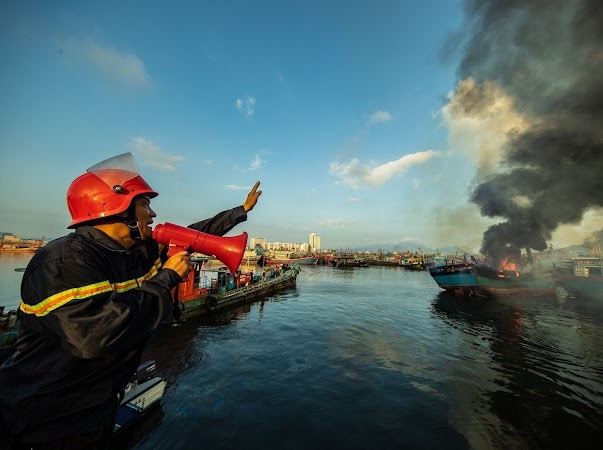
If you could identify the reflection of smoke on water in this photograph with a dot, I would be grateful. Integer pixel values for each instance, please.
(298, 364)
(541, 378)
(537, 66)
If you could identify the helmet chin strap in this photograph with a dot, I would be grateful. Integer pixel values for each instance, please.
(132, 223)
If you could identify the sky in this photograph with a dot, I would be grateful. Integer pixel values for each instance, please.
(388, 123)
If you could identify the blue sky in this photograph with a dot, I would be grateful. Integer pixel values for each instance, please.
(341, 109)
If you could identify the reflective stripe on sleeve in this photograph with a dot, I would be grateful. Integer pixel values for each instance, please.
(57, 300)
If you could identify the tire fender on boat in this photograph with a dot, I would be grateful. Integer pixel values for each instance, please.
(211, 302)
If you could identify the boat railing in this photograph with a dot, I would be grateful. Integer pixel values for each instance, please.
(243, 290)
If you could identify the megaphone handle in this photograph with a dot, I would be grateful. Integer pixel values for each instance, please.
(176, 247)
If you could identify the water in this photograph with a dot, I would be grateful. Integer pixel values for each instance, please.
(379, 358)
(10, 279)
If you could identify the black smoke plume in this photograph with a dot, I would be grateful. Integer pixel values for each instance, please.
(548, 56)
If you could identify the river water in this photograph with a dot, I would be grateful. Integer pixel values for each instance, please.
(375, 358)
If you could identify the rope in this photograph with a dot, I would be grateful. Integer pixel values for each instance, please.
(546, 290)
(309, 276)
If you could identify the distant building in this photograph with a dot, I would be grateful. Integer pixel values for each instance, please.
(314, 242)
(301, 247)
(9, 237)
(12, 242)
(285, 246)
(257, 242)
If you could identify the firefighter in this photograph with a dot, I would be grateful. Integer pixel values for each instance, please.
(90, 301)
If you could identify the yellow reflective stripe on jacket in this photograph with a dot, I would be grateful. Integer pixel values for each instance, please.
(55, 301)
(131, 284)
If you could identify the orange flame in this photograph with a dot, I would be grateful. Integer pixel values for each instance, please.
(507, 264)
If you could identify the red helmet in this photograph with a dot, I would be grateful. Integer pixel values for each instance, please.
(105, 190)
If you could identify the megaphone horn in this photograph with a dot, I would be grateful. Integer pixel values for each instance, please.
(229, 250)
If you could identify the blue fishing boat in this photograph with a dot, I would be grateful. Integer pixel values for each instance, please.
(457, 278)
(497, 283)
(480, 280)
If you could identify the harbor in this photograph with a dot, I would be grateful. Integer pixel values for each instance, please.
(10, 242)
(387, 225)
(383, 347)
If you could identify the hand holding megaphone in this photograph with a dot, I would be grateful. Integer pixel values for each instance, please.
(179, 263)
(229, 250)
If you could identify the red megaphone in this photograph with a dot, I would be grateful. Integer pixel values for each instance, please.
(229, 250)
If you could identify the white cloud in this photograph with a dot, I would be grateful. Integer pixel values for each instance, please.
(246, 106)
(125, 67)
(353, 174)
(234, 187)
(378, 117)
(153, 156)
(353, 200)
(335, 223)
(256, 163)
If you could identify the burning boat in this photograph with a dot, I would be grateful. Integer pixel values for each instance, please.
(472, 279)
(456, 278)
(495, 283)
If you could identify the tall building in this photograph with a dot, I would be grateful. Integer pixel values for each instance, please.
(314, 242)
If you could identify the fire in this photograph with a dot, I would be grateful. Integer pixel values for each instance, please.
(507, 268)
(507, 264)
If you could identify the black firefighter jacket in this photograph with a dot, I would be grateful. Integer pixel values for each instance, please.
(88, 309)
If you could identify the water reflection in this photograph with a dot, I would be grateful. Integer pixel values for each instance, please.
(541, 384)
(179, 347)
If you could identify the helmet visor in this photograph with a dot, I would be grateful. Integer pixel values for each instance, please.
(116, 171)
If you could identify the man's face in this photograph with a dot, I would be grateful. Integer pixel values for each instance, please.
(144, 214)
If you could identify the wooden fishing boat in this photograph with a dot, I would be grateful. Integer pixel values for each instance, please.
(413, 262)
(457, 278)
(495, 283)
(480, 280)
(207, 290)
(382, 262)
(345, 260)
(268, 261)
(583, 277)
